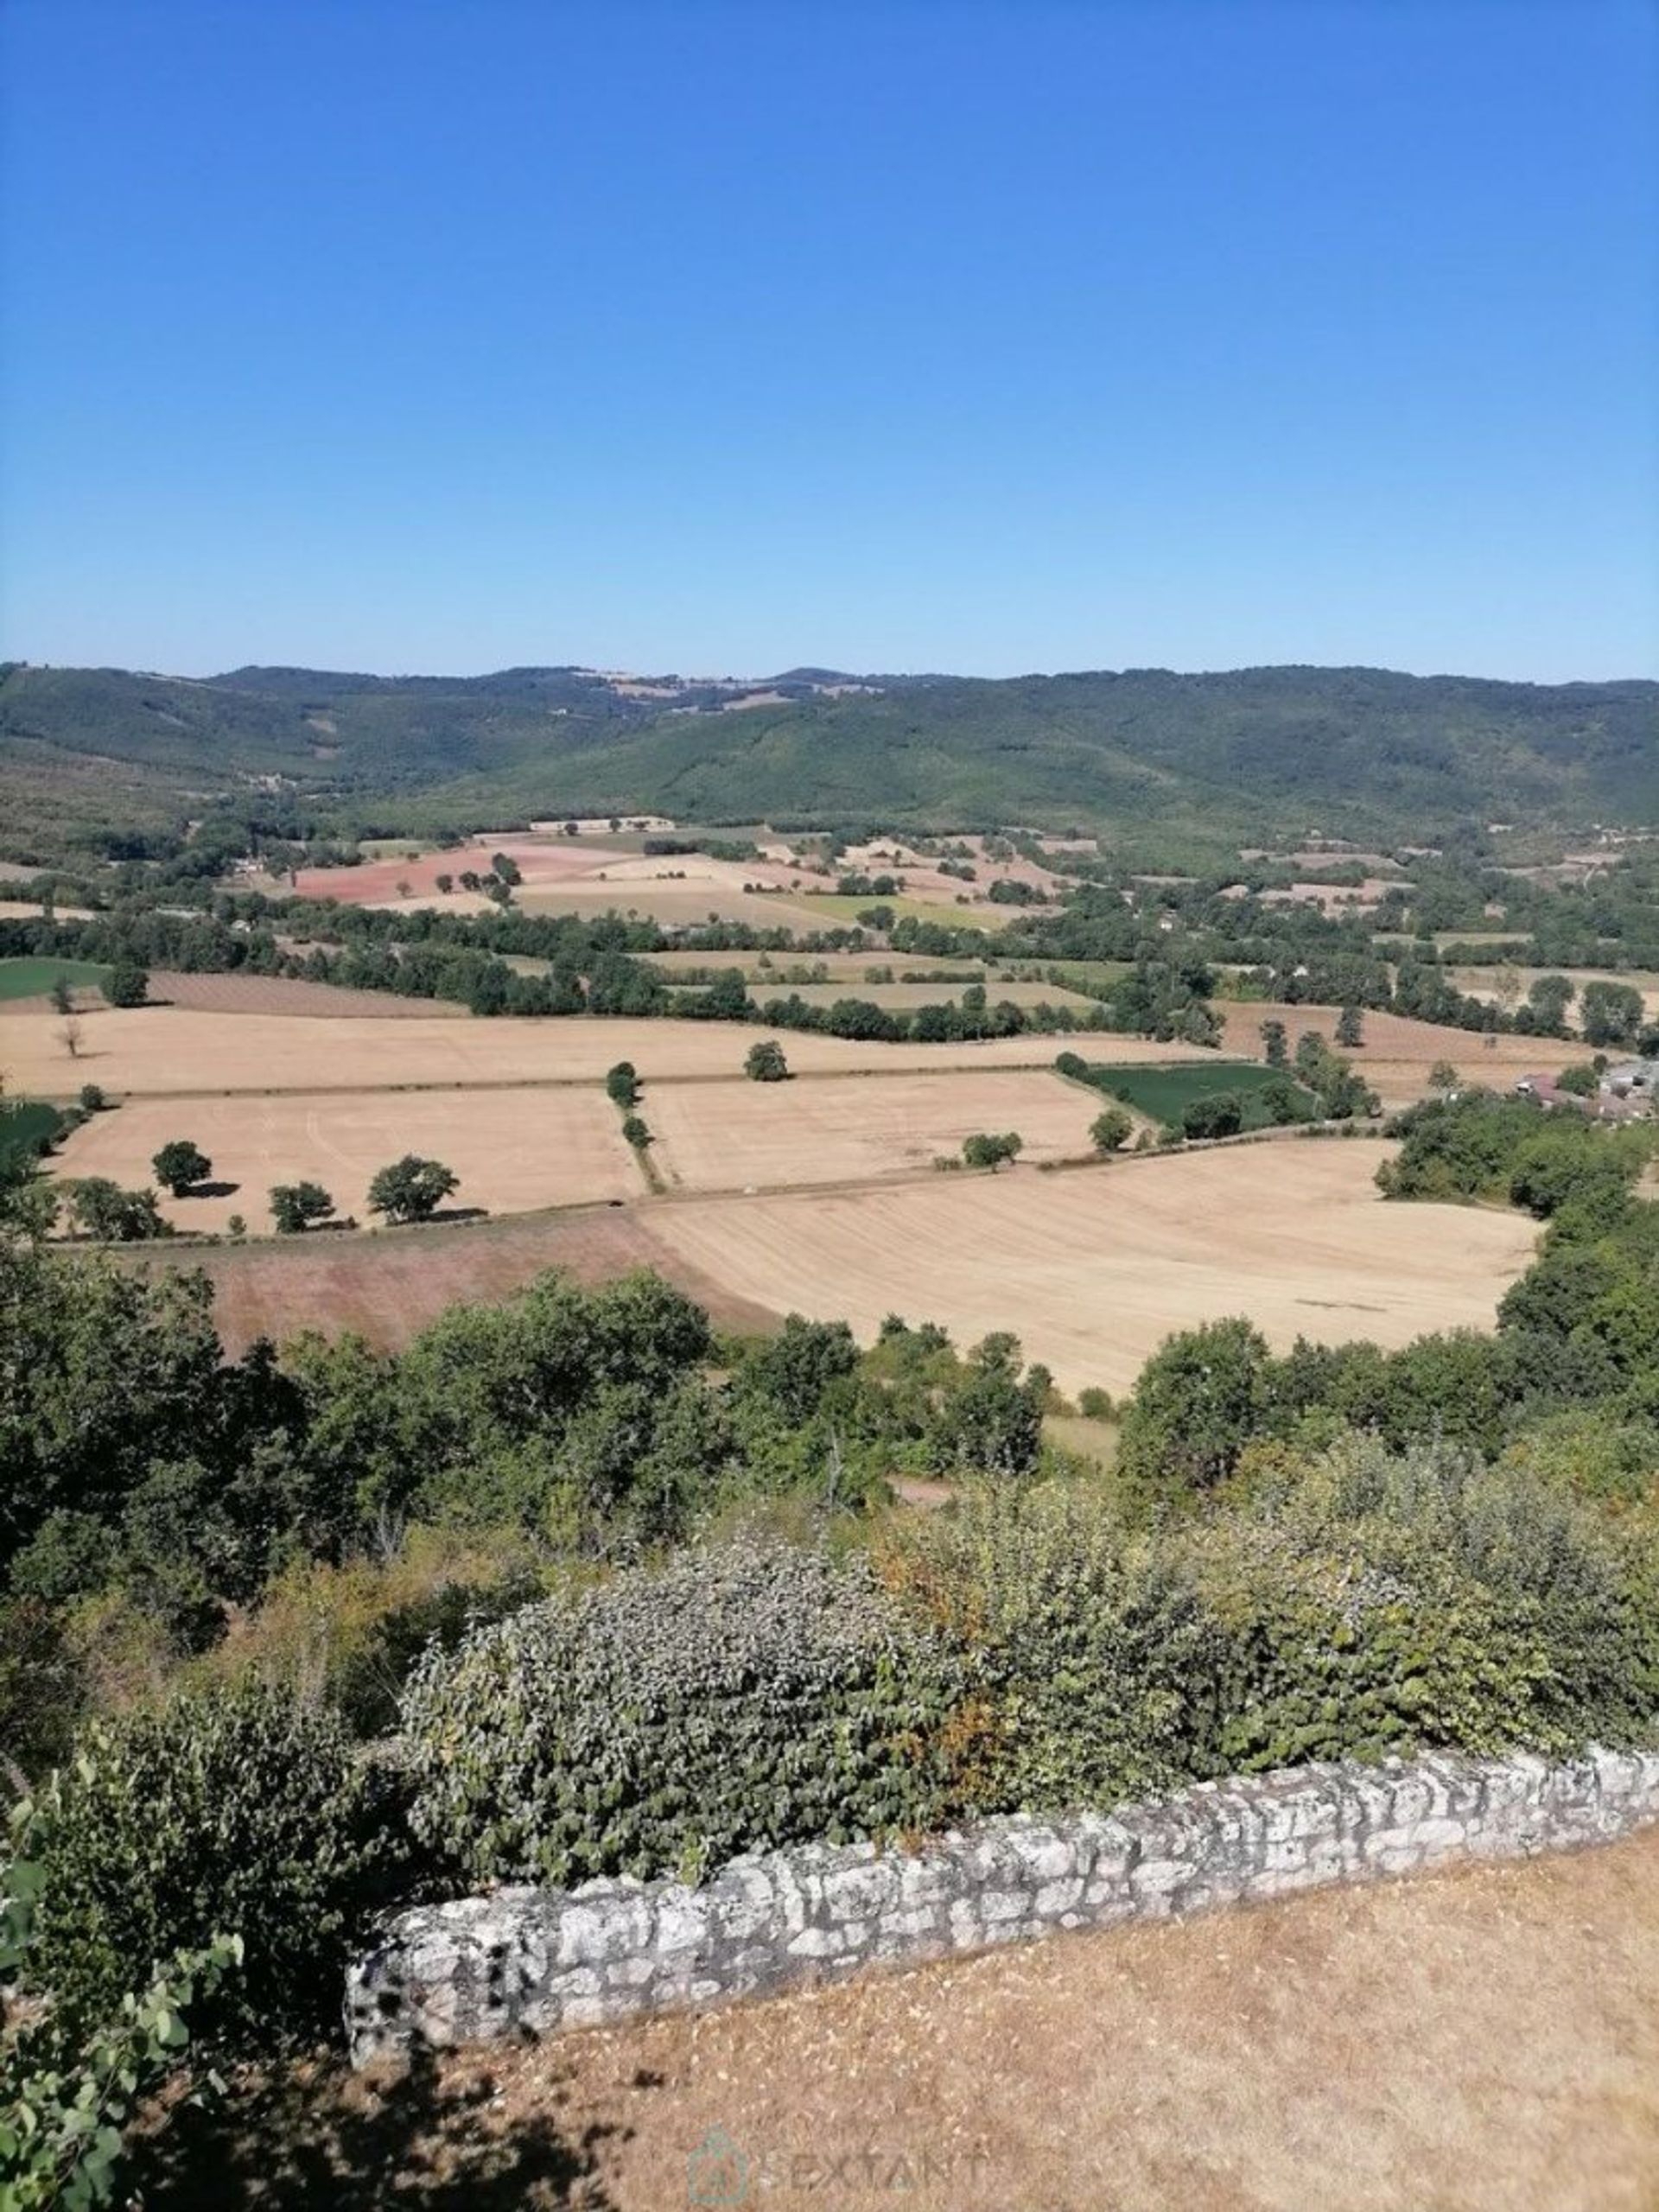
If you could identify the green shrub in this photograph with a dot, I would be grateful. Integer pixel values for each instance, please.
(228, 1811)
(740, 1699)
(1086, 1661)
(66, 2092)
(1373, 1602)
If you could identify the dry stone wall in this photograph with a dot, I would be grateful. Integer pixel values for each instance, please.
(536, 1960)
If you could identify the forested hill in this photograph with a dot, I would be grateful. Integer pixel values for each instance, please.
(1247, 752)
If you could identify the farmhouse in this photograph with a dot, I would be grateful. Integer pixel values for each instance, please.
(1550, 1095)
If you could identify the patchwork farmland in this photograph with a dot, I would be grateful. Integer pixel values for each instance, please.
(819, 1193)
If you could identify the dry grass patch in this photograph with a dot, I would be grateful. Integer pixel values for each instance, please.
(1482, 984)
(1095, 1268)
(1484, 2040)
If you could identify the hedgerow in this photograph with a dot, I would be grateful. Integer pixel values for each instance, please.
(738, 1699)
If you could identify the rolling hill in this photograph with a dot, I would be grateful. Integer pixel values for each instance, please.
(1228, 756)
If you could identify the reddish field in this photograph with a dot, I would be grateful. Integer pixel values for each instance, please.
(287, 994)
(386, 1287)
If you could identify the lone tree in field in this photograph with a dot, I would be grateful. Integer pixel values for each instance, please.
(128, 984)
(985, 1150)
(622, 1085)
(446, 884)
(1351, 1027)
(63, 997)
(1110, 1131)
(1273, 1040)
(635, 1132)
(411, 1188)
(180, 1165)
(765, 1063)
(295, 1206)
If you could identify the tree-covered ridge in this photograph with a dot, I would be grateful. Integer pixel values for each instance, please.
(1242, 753)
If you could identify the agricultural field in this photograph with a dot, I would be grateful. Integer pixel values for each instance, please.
(1096, 1266)
(31, 910)
(900, 996)
(153, 1051)
(246, 993)
(831, 909)
(589, 875)
(25, 1125)
(1163, 1094)
(1486, 983)
(776, 1135)
(30, 978)
(387, 1288)
(513, 1152)
(1398, 1053)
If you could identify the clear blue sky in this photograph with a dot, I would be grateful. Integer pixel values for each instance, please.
(394, 334)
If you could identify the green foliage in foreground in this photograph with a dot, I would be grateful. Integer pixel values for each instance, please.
(737, 1700)
(235, 1810)
(68, 2091)
(1343, 1603)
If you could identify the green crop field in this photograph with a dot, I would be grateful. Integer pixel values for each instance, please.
(26, 1126)
(1164, 1093)
(30, 978)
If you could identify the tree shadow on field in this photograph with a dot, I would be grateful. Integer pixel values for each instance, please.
(434, 2138)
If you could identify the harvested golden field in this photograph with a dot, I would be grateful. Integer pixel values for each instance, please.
(1398, 1053)
(513, 1150)
(387, 1286)
(1095, 1266)
(668, 902)
(1481, 2040)
(157, 1050)
(728, 1136)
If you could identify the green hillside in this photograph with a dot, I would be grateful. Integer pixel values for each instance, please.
(1251, 752)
